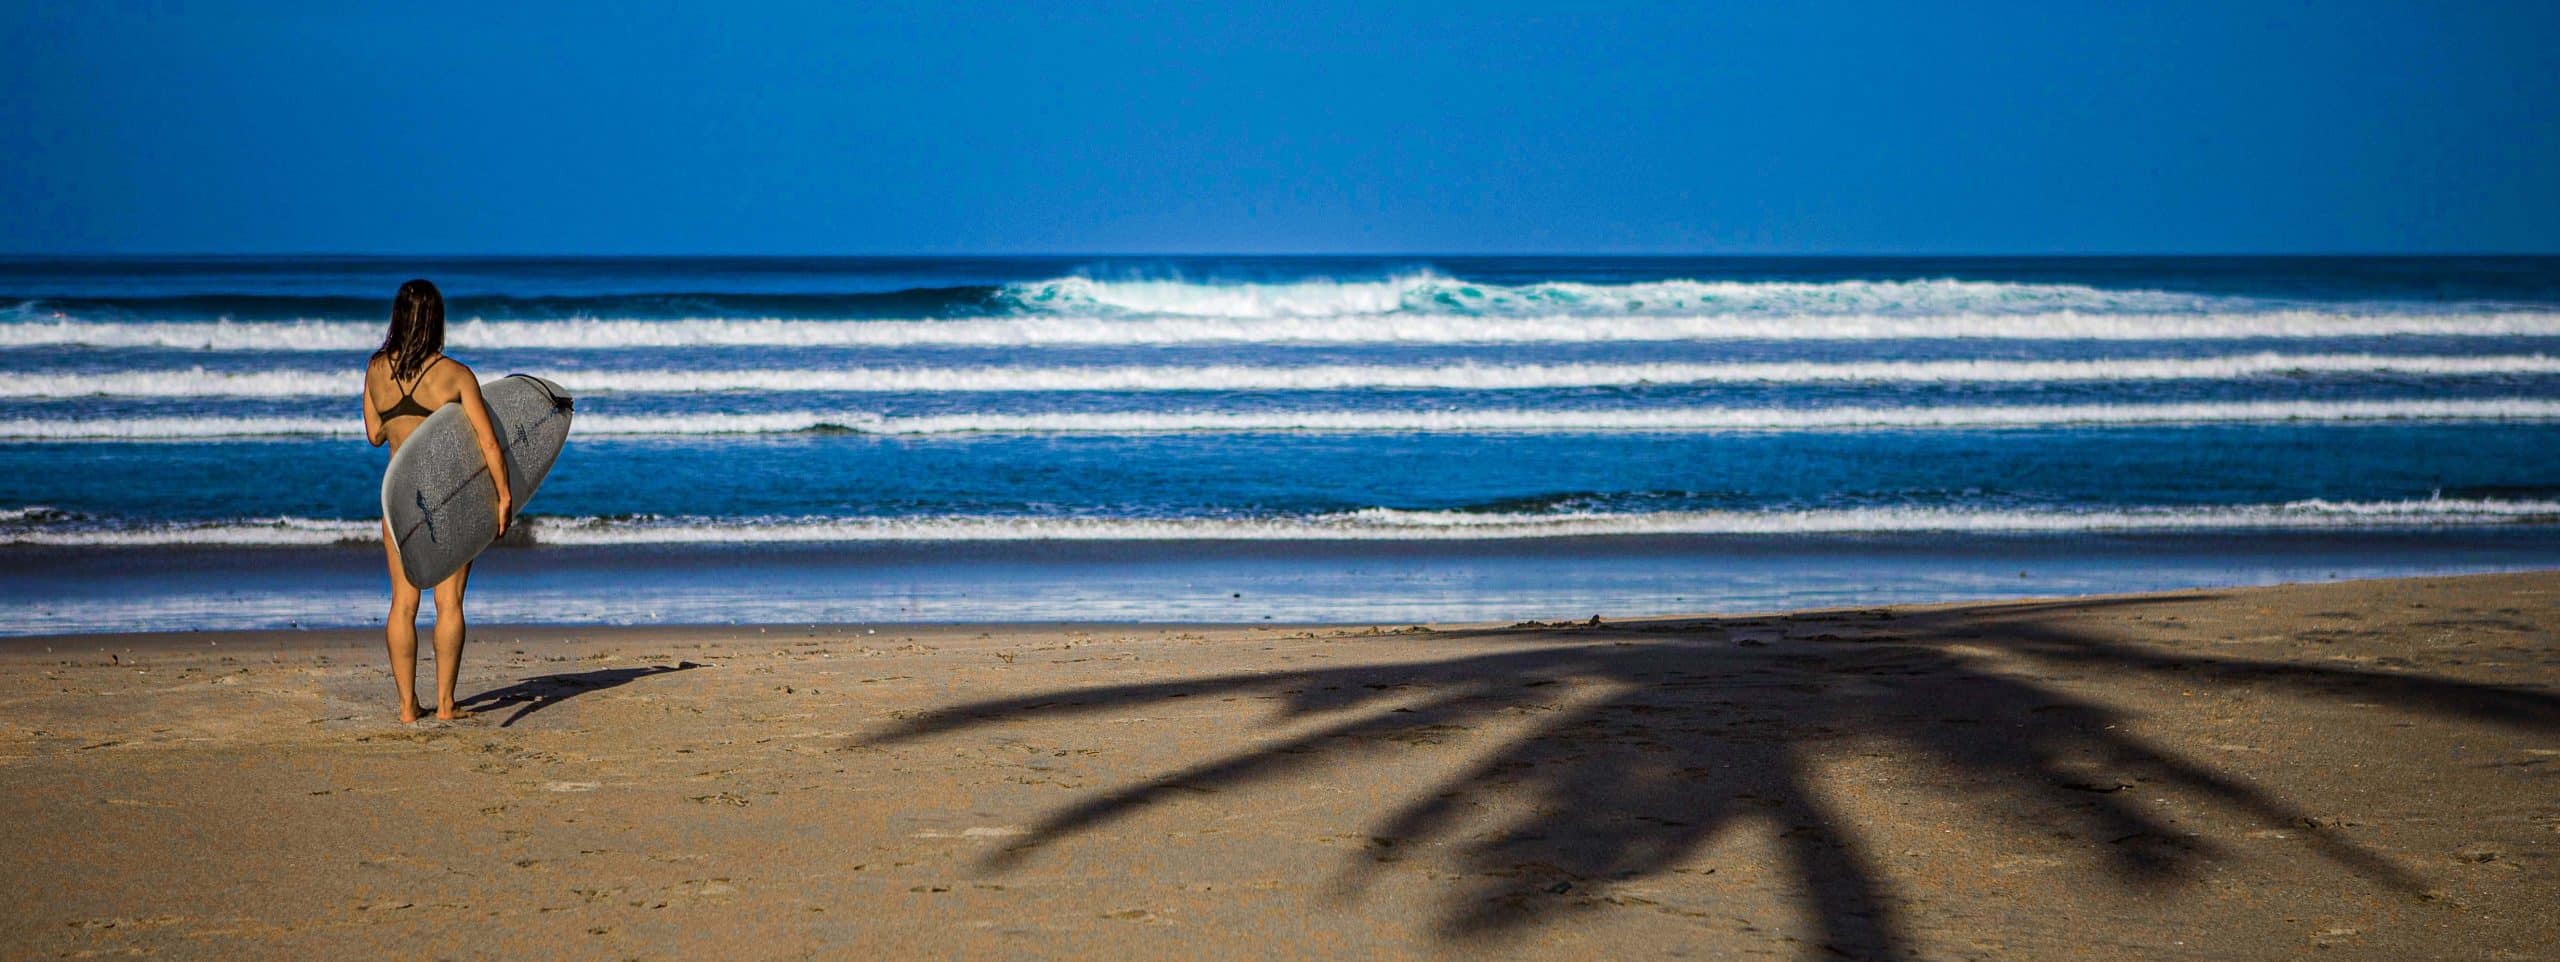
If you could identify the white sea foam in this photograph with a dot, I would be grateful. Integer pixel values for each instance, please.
(1396, 525)
(1433, 294)
(1423, 293)
(1375, 524)
(198, 382)
(1067, 331)
(258, 532)
(1459, 420)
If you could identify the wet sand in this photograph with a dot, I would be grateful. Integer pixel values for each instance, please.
(2356, 770)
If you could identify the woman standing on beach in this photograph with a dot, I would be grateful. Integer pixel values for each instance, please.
(404, 381)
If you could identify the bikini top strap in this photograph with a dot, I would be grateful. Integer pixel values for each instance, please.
(421, 379)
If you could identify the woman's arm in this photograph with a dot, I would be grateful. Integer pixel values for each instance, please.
(372, 419)
(478, 411)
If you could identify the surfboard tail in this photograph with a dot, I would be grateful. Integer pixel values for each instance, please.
(560, 400)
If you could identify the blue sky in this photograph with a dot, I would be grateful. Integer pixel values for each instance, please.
(1268, 127)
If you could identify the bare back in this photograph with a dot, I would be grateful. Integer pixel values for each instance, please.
(440, 381)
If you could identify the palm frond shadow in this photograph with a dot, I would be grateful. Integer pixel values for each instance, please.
(1693, 735)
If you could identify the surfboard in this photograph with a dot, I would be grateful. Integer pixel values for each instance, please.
(437, 495)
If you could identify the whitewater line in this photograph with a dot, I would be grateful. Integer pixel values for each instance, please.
(1375, 524)
(1434, 293)
(1057, 331)
(1448, 421)
(198, 382)
(1423, 292)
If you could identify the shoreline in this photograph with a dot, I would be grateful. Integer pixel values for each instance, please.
(2364, 768)
(53, 591)
(361, 636)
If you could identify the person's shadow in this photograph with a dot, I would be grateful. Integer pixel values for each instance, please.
(1651, 741)
(538, 693)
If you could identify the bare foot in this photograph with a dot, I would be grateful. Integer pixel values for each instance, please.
(409, 713)
(450, 713)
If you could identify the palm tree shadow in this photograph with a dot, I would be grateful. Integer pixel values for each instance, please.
(1697, 730)
(544, 691)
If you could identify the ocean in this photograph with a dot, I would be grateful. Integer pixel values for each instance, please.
(1291, 439)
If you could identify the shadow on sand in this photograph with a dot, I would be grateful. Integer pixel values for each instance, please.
(1696, 727)
(538, 693)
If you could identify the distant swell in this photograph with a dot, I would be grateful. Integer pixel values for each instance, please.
(1035, 331)
(916, 302)
(1376, 524)
(198, 382)
(1463, 420)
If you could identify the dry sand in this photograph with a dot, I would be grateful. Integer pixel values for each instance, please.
(2363, 770)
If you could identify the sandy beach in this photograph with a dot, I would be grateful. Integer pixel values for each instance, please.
(2362, 770)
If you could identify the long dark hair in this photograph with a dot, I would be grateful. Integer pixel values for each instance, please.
(417, 329)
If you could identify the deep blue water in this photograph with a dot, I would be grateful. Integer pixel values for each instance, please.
(1300, 418)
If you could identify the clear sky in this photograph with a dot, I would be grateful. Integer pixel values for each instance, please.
(949, 127)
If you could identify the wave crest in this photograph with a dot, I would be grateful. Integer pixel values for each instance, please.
(1434, 294)
(199, 382)
(1373, 524)
(1389, 329)
(1446, 421)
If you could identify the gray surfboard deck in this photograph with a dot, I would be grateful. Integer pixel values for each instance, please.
(437, 495)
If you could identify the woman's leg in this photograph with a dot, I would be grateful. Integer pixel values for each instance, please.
(401, 631)
(448, 640)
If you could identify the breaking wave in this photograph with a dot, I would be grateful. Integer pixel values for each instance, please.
(1460, 420)
(1374, 524)
(199, 382)
(1416, 293)
(1015, 332)
(1434, 294)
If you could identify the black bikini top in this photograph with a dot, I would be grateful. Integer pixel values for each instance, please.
(408, 407)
